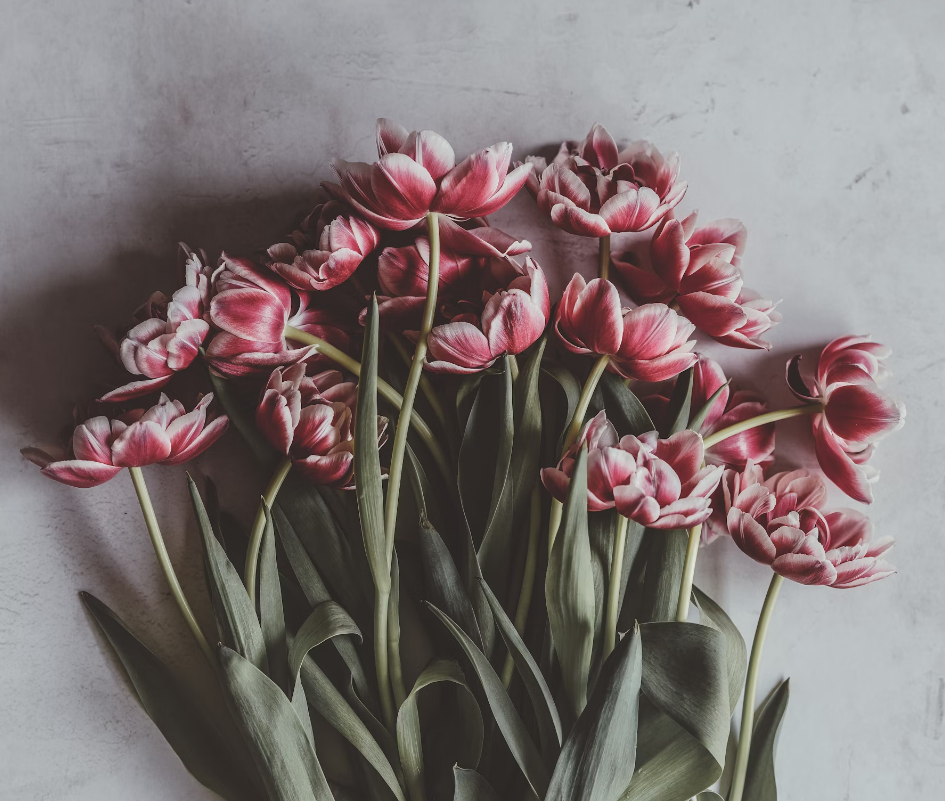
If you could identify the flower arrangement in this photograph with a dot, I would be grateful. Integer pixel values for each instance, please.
(497, 500)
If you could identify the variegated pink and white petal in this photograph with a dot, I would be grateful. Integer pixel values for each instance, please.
(512, 322)
(589, 315)
(316, 432)
(715, 315)
(184, 346)
(861, 413)
(750, 536)
(669, 254)
(556, 482)
(659, 369)
(458, 347)
(142, 443)
(577, 221)
(854, 479)
(684, 513)
(510, 187)
(755, 445)
(390, 136)
(91, 441)
(193, 446)
(249, 314)
(642, 285)
(402, 188)
(683, 452)
(599, 148)
(849, 527)
(136, 389)
(473, 181)
(277, 416)
(707, 379)
(634, 209)
(805, 569)
(80, 473)
(330, 470)
(431, 151)
(633, 502)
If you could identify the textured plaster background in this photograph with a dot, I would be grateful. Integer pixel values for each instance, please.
(127, 126)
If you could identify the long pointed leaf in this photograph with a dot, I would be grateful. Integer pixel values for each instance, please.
(666, 559)
(623, 407)
(760, 784)
(327, 620)
(470, 786)
(526, 450)
(271, 614)
(677, 413)
(736, 658)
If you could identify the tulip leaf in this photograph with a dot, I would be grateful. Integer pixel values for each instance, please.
(327, 620)
(709, 795)
(527, 448)
(367, 460)
(736, 657)
(271, 614)
(760, 784)
(300, 705)
(572, 393)
(520, 743)
(623, 407)
(543, 704)
(236, 618)
(598, 757)
(666, 558)
(188, 730)
(409, 744)
(242, 419)
(697, 419)
(569, 591)
(470, 786)
(677, 412)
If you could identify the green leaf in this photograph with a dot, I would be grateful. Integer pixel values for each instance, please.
(271, 615)
(543, 704)
(470, 786)
(242, 419)
(188, 730)
(367, 460)
(236, 618)
(760, 784)
(409, 743)
(677, 413)
(275, 735)
(666, 559)
(327, 620)
(708, 795)
(572, 393)
(503, 710)
(300, 705)
(736, 658)
(696, 421)
(527, 445)
(597, 760)
(624, 409)
(569, 591)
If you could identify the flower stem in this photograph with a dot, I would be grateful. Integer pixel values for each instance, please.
(425, 386)
(613, 591)
(603, 257)
(689, 572)
(164, 560)
(259, 525)
(381, 664)
(751, 686)
(761, 420)
(385, 390)
(528, 578)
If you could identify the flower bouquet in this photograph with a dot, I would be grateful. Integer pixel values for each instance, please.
(471, 573)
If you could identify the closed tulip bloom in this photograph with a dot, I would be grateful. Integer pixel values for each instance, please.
(331, 245)
(591, 189)
(100, 447)
(649, 343)
(856, 412)
(779, 522)
(416, 173)
(697, 269)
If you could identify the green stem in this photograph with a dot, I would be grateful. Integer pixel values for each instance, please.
(259, 525)
(164, 560)
(528, 578)
(385, 390)
(603, 257)
(751, 687)
(381, 665)
(613, 590)
(761, 420)
(393, 638)
(426, 387)
(689, 572)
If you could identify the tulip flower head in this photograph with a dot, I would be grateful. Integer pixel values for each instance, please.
(697, 269)
(591, 189)
(779, 522)
(100, 447)
(649, 343)
(416, 173)
(856, 412)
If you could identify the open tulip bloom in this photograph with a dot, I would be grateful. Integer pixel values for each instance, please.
(577, 446)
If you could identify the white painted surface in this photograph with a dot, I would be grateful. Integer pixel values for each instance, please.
(127, 126)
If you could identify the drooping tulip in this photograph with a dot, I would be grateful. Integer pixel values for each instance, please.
(416, 173)
(649, 343)
(856, 412)
(100, 447)
(591, 189)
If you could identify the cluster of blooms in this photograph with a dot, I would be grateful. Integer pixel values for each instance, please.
(241, 313)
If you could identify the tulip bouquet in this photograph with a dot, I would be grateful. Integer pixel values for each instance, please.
(471, 573)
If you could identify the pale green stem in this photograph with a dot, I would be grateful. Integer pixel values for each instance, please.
(513, 367)
(164, 560)
(603, 257)
(393, 638)
(613, 590)
(689, 572)
(761, 420)
(528, 578)
(751, 687)
(426, 387)
(384, 389)
(381, 645)
(259, 526)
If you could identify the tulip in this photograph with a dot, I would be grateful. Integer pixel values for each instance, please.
(780, 523)
(416, 173)
(649, 343)
(697, 269)
(164, 434)
(591, 189)
(252, 307)
(332, 245)
(856, 413)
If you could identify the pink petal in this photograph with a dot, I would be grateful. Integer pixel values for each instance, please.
(141, 444)
(717, 316)
(682, 452)
(91, 441)
(80, 473)
(642, 286)
(631, 210)
(211, 432)
(330, 470)
(853, 479)
(431, 151)
(249, 314)
(649, 331)
(659, 369)
(457, 348)
(805, 569)
(511, 322)
(861, 414)
(750, 536)
(669, 254)
(404, 189)
(632, 502)
(315, 433)
(276, 420)
(556, 482)
(684, 513)
(474, 181)
(510, 187)
(578, 221)
(390, 136)
(595, 316)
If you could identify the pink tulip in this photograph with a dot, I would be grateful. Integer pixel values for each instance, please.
(856, 412)
(332, 245)
(591, 189)
(416, 173)
(252, 307)
(512, 318)
(697, 269)
(649, 343)
(100, 448)
(779, 523)
(310, 420)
